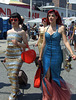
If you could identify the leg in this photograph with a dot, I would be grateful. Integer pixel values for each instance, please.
(13, 68)
(45, 94)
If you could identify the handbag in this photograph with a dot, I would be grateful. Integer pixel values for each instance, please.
(38, 76)
(29, 55)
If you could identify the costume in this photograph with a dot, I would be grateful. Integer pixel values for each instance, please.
(41, 33)
(52, 57)
(13, 62)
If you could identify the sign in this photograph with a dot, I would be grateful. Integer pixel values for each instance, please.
(72, 1)
(4, 12)
(5, 1)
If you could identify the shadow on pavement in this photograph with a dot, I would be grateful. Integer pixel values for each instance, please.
(73, 97)
(25, 86)
(4, 84)
(32, 96)
(2, 58)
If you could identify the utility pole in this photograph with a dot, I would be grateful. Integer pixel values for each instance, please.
(30, 9)
(67, 5)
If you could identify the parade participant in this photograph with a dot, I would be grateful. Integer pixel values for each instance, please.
(15, 36)
(74, 37)
(53, 85)
(41, 32)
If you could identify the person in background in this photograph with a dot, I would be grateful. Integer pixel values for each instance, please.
(28, 27)
(71, 32)
(13, 60)
(24, 27)
(35, 31)
(41, 32)
(53, 85)
(74, 37)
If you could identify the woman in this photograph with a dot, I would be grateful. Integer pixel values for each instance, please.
(15, 36)
(74, 37)
(53, 86)
(41, 32)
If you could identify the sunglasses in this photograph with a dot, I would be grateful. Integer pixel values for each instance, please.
(44, 20)
(13, 19)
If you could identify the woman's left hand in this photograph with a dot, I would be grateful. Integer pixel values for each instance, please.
(15, 42)
(74, 57)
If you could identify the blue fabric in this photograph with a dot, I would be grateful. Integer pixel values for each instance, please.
(52, 55)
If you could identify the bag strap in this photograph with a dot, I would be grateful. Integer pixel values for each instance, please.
(27, 47)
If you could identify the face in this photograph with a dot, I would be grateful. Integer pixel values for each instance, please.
(52, 17)
(14, 21)
(44, 22)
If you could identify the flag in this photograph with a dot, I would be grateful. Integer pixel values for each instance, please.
(72, 1)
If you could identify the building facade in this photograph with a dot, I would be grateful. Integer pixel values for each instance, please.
(56, 3)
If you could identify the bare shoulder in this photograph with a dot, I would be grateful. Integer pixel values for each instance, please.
(46, 28)
(9, 31)
(75, 27)
(23, 33)
(61, 28)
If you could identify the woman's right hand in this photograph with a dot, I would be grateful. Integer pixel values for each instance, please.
(4, 60)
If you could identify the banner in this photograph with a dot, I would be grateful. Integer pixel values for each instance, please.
(72, 1)
(5, 1)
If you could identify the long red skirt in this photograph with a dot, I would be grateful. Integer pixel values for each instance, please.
(54, 91)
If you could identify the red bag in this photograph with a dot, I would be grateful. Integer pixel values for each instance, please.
(29, 55)
(38, 77)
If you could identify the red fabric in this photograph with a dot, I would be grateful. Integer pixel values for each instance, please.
(56, 92)
(58, 21)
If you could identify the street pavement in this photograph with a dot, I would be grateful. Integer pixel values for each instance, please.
(29, 92)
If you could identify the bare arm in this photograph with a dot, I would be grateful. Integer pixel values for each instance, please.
(43, 45)
(37, 41)
(67, 43)
(25, 41)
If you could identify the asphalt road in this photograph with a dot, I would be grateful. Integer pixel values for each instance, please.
(29, 92)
